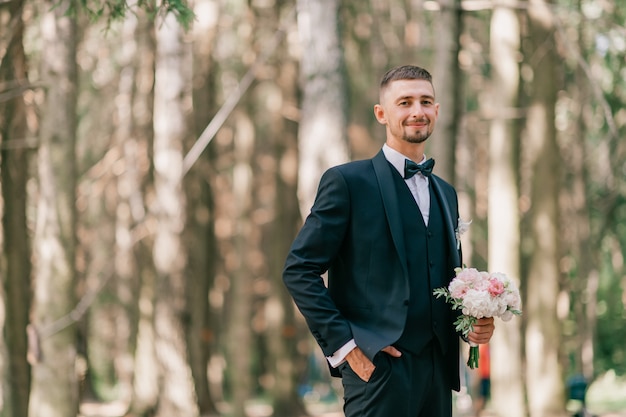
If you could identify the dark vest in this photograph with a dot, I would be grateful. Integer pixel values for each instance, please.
(426, 256)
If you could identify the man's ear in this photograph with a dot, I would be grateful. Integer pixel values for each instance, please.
(379, 112)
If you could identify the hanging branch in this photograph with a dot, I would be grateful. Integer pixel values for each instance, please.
(233, 98)
(112, 10)
(35, 334)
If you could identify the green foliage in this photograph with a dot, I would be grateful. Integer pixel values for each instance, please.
(611, 332)
(595, 33)
(463, 324)
(113, 10)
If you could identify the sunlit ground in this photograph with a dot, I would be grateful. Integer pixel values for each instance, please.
(606, 397)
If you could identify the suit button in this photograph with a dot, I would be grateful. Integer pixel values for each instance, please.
(406, 302)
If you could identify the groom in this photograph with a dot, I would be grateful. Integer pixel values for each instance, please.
(384, 229)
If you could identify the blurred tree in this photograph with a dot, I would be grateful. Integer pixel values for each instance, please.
(503, 201)
(605, 122)
(200, 226)
(581, 263)
(238, 332)
(545, 385)
(110, 201)
(130, 139)
(145, 393)
(322, 140)
(96, 203)
(447, 79)
(283, 366)
(15, 265)
(235, 165)
(54, 391)
(177, 394)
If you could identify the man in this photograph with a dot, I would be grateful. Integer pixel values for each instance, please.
(384, 229)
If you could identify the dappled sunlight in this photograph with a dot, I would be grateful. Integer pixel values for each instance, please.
(154, 175)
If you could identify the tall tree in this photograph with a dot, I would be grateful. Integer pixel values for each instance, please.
(277, 211)
(447, 86)
(322, 130)
(54, 378)
(16, 249)
(130, 211)
(145, 374)
(232, 161)
(544, 378)
(96, 202)
(503, 212)
(239, 333)
(172, 80)
(111, 193)
(199, 230)
(577, 200)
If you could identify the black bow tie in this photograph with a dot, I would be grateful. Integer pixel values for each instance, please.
(411, 168)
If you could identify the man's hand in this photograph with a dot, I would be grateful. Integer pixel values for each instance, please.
(362, 366)
(392, 351)
(483, 330)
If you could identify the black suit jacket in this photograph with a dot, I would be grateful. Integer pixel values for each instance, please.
(354, 232)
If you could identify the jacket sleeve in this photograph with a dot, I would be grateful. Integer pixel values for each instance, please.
(311, 254)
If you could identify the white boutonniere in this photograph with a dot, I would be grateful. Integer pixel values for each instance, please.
(462, 227)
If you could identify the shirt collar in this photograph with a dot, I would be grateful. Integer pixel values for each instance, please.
(397, 159)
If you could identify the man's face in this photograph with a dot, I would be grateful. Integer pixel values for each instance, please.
(408, 109)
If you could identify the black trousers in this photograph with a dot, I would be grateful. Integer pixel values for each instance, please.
(410, 386)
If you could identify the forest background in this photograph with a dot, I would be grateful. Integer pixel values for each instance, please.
(157, 161)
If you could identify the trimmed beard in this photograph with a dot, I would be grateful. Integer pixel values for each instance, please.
(417, 138)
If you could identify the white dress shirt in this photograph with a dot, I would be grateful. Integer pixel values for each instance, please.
(418, 185)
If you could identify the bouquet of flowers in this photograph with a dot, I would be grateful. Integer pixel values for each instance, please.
(480, 294)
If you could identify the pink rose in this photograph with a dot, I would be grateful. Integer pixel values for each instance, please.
(496, 287)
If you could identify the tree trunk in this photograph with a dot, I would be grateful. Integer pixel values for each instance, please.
(448, 89)
(131, 142)
(200, 232)
(146, 378)
(239, 333)
(235, 192)
(588, 276)
(322, 131)
(54, 381)
(503, 215)
(282, 367)
(145, 374)
(16, 250)
(545, 384)
(177, 391)
(96, 240)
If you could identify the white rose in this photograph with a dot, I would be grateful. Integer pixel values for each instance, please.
(477, 304)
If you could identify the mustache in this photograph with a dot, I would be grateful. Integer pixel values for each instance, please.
(420, 121)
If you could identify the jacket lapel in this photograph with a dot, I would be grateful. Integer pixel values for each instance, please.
(390, 202)
(392, 210)
(448, 220)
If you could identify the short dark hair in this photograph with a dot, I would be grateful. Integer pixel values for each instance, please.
(405, 72)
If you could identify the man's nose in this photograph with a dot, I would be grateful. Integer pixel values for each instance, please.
(417, 110)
